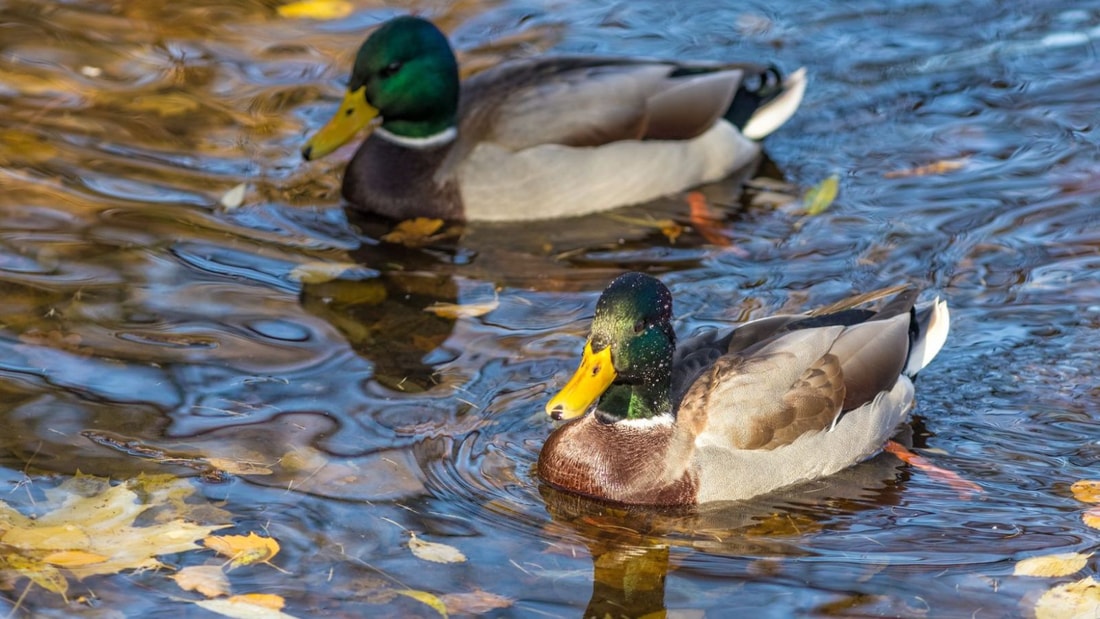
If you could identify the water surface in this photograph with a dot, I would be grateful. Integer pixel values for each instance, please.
(139, 308)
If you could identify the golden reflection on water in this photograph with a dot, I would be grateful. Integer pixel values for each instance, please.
(145, 327)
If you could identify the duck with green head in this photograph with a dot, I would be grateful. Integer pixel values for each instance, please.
(540, 138)
(730, 415)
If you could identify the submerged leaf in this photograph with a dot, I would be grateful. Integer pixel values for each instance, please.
(46, 576)
(1074, 599)
(455, 311)
(238, 467)
(942, 166)
(243, 549)
(251, 606)
(208, 580)
(425, 598)
(316, 9)
(1050, 566)
(319, 272)
(437, 553)
(1086, 490)
(476, 602)
(821, 197)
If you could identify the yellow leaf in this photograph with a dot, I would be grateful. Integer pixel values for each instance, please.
(89, 529)
(316, 9)
(236, 467)
(462, 310)
(234, 197)
(245, 607)
(431, 551)
(208, 580)
(36, 537)
(45, 576)
(243, 549)
(1051, 566)
(1086, 490)
(414, 232)
(320, 272)
(425, 598)
(476, 602)
(1091, 517)
(1074, 599)
(267, 600)
(670, 229)
(73, 558)
(939, 167)
(821, 197)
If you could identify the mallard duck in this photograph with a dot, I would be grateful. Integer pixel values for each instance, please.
(731, 415)
(540, 138)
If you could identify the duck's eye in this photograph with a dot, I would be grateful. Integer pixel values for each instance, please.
(390, 69)
(640, 325)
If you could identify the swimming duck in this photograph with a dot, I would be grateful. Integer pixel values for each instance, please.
(540, 138)
(731, 415)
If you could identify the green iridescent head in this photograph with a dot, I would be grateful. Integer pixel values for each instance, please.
(405, 74)
(627, 362)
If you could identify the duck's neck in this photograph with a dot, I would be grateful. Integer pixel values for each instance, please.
(644, 401)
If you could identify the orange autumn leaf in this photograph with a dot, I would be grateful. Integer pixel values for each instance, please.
(938, 167)
(1092, 517)
(243, 549)
(1086, 490)
(415, 232)
(267, 600)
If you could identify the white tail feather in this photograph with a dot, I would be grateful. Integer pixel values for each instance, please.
(774, 113)
(935, 322)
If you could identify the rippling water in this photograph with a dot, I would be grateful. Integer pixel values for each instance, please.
(137, 308)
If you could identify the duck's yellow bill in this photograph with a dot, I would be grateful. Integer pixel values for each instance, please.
(588, 383)
(354, 114)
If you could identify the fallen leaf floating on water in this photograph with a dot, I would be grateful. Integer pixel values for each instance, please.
(939, 167)
(431, 551)
(1092, 517)
(234, 197)
(455, 311)
(243, 549)
(316, 9)
(209, 580)
(1051, 566)
(248, 606)
(1086, 490)
(320, 272)
(416, 232)
(476, 602)
(1071, 600)
(821, 196)
(90, 530)
(425, 598)
(238, 467)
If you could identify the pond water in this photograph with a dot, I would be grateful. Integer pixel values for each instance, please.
(143, 319)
